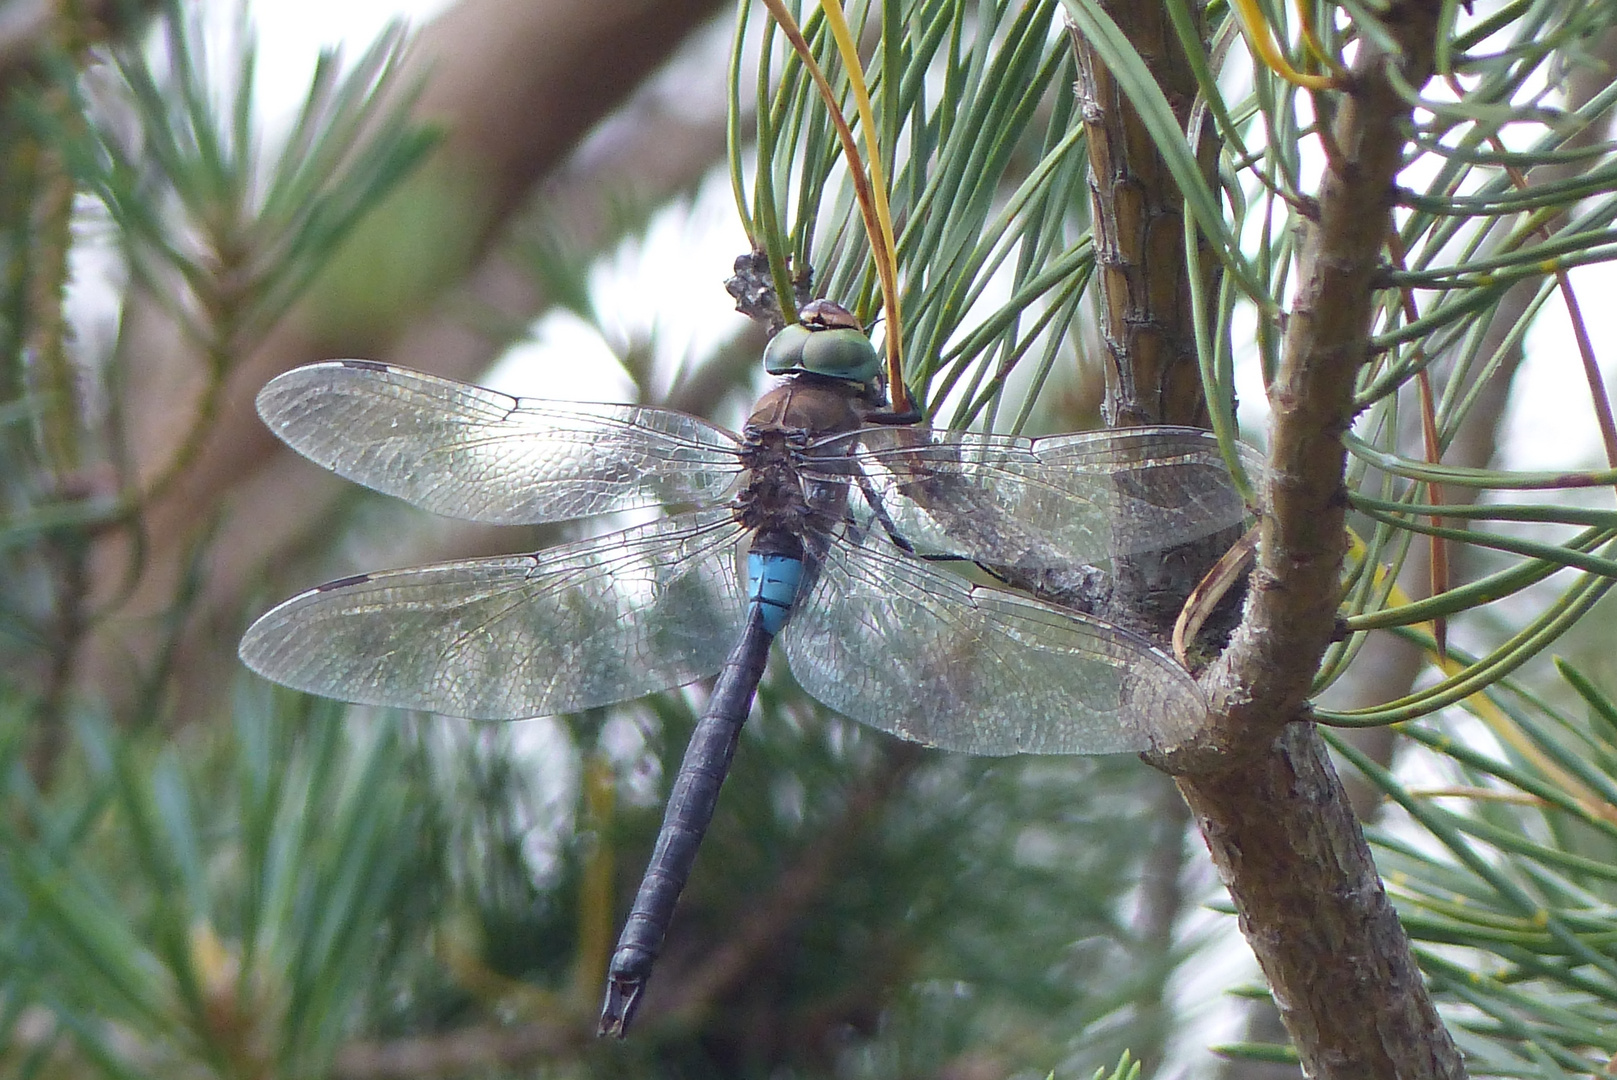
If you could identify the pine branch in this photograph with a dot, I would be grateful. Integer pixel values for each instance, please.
(1311, 904)
(1280, 828)
(1262, 680)
(1273, 811)
(1139, 222)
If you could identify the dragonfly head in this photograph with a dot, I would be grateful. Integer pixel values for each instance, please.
(828, 341)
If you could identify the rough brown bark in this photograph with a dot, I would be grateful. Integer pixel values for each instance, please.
(1146, 320)
(1270, 806)
(1288, 846)
(1139, 230)
(1280, 827)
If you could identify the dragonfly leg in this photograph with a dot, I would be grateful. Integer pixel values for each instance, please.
(907, 418)
(874, 500)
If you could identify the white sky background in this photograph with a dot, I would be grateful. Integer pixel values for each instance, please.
(687, 249)
(291, 34)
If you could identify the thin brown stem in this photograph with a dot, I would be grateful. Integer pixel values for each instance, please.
(1270, 806)
(1280, 827)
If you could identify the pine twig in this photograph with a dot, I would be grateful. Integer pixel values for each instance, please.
(1280, 828)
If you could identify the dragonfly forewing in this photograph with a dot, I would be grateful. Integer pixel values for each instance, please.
(1168, 485)
(572, 627)
(466, 452)
(925, 655)
(1044, 503)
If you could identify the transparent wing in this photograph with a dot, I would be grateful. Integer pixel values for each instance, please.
(568, 628)
(906, 648)
(466, 452)
(1035, 503)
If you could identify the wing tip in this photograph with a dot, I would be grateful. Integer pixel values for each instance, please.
(340, 583)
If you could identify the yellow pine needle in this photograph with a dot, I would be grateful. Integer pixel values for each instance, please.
(882, 244)
(871, 189)
(1311, 42)
(1478, 794)
(1261, 38)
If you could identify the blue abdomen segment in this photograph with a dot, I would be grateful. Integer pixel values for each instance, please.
(772, 582)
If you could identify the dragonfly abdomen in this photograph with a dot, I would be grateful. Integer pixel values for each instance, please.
(772, 583)
(690, 806)
(774, 576)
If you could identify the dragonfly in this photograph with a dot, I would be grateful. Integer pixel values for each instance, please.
(822, 523)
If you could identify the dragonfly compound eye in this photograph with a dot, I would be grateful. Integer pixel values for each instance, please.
(839, 354)
(784, 353)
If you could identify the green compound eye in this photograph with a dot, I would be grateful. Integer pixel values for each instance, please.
(842, 354)
(784, 353)
(839, 354)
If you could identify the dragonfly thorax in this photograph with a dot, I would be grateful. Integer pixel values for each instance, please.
(776, 500)
(814, 406)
